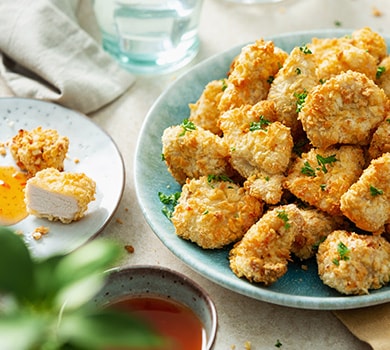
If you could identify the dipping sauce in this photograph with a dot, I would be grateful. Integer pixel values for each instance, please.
(12, 206)
(174, 321)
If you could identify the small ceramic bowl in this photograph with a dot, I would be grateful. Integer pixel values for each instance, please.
(161, 282)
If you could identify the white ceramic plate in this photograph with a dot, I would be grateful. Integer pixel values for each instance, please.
(298, 288)
(99, 159)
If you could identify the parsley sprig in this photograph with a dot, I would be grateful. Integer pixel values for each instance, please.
(375, 191)
(301, 98)
(187, 125)
(343, 252)
(284, 217)
(308, 170)
(260, 125)
(170, 202)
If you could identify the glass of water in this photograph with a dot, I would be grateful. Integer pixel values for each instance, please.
(150, 36)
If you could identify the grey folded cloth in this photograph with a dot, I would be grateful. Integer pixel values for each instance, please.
(49, 50)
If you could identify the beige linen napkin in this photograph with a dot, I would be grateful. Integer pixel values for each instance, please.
(371, 324)
(46, 52)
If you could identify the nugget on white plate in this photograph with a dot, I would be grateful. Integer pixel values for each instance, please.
(317, 226)
(204, 112)
(266, 187)
(354, 263)
(39, 149)
(367, 202)
(380, 142)
(213, 212)
(346, 109)
(252, 73)
(321, 177)
(256, 143)
(263, 253)
(296, 78)
(190, 152)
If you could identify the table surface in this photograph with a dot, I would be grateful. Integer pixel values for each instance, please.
(242, 320)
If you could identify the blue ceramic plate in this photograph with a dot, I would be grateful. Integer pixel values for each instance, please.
(298, 288)
(94, 150)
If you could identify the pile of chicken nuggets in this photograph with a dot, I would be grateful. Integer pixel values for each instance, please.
(288, 156)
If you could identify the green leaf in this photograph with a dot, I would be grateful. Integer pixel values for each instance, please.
(21, 331)
(93, 258)
(16, 265)
(107, 328)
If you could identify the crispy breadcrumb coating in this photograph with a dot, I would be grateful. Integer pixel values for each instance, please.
(194, 153)
(354, 263)
(297, 76)
(380, 142)
(205, 112)
(251, 75)
(38, 149)
(321, 177)
(263, 253)
(256, 143)
(51, 184)
(266, 187)
(367, 202)
(213, 213)
(345, 109)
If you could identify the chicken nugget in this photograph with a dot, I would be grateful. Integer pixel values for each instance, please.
(346, 109)
(367, 202)
(354, 263)
(213, 213)
(297, 76)
(256, 143)
(321, 177)
(263, 253)
(317, 226)
(253, 70)
(190, 151)
(380, 142)
(266, 187)
(205, 112)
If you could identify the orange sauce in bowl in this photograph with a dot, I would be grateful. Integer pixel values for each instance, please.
(176, 322)
(12, 206)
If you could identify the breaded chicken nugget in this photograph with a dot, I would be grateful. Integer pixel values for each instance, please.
(317, 226)
(251, 75)
(383, 75)
(353, 263)
(370, 41)
(297, 76)
(266, 187)
(255, 142)
(380, 142)
(367, 202)
(213, 213)
(263, 253)
(335, 56)
(205, 112)
(321, 177)
(190, 151)
(346, 109)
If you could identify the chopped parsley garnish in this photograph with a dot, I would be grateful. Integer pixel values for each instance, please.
(224, 85)
(278, 344)
(187, 126)
(270, 79)
(298, 71)
(337, 23)
(375, 191)
(170, 202)
(323, 187)
(283, 216)
(301, 97)
(260, 125)
(305, 50)
(307, 169)
(380, 70)
(322, 161)
(322, 81)
(388, 120)
(224, 178)
(343, 252)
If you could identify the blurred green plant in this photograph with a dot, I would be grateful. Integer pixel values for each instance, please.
(46, 304)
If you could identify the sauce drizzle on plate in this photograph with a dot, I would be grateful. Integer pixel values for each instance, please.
(12, 206)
